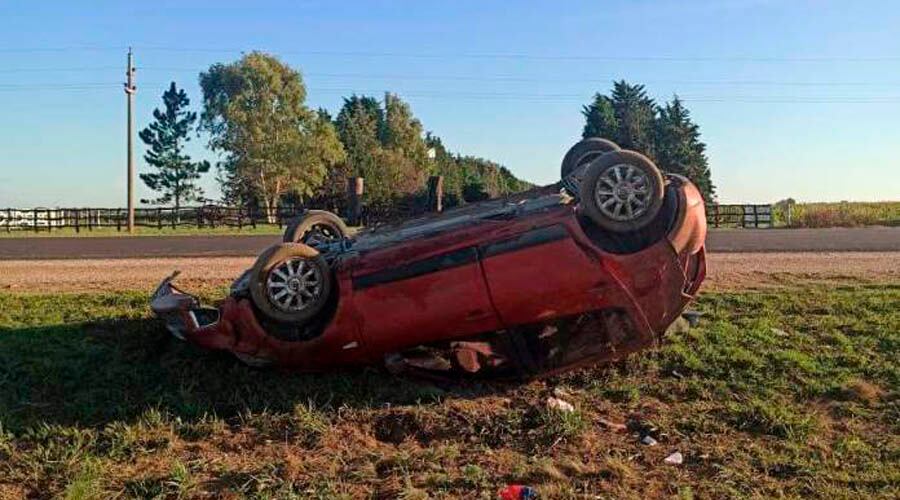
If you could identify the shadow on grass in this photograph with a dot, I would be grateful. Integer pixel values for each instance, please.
(92, 373)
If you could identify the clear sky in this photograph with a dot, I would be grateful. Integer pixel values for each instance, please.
(796, 99)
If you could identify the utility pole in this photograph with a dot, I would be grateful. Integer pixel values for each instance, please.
(130, 90)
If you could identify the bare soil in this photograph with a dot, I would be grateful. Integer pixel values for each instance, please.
(727, 271)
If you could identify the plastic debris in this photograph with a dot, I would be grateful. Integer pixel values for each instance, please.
(648, 440)
(559, 404)
(518, 492)
(674, 459)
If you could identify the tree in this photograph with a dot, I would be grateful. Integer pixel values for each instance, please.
(679, 148)
(629, 117)
(176, 175)
(626, 117)
(272, 143)
(384, 145)
(600, 118)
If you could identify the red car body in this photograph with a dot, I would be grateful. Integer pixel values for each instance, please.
(460, 282)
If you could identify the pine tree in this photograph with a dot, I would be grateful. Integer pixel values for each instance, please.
(176, 175)
(600, 118)
(631, 118)
(679, 148)
(635, 113)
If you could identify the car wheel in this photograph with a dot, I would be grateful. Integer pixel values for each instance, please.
(315, 228)
(622, 191)
(290, 283)
(582, 153)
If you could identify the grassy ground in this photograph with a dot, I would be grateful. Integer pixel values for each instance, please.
(841, 214)
(143, 231)
(776, 394)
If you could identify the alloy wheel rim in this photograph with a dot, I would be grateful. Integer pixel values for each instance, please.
(293, 285)
(320, 234)
(622, 192)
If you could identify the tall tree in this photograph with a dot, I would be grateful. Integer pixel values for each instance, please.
(679, 148)
(626, 116)
(272, 142)
(176, 175)
(384, 145)
(667, 135)
(600, 118)
(635, 113)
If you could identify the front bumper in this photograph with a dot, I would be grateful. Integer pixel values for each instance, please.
(186, 319)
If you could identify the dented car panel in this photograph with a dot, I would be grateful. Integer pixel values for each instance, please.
(509, 287)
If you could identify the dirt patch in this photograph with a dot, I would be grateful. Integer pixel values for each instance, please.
(737, 271)
(727, 271)
(87, 275)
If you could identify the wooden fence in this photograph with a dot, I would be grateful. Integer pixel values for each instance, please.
(754, 216)
(351, 207)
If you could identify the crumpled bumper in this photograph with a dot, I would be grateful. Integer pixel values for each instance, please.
(208, 327)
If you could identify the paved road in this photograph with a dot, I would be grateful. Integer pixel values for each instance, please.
(874, 239)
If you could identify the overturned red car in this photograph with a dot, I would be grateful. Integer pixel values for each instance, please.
(582, 272)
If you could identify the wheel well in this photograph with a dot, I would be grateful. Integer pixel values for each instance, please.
(635, 241)
(290, 332)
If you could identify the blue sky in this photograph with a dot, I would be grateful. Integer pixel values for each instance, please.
(794, 99)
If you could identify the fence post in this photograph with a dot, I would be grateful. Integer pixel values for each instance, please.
(756, 216)
(789, 204)
(199, 217)
(8, 220)
(77, 222)
(355, 190)
(34, 219)
(176, 216)
(250, 213)
(240, 217)
(436, 193)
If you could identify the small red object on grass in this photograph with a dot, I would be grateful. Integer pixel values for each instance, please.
(518, 492)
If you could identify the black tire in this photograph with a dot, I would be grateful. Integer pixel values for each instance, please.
(584, 151)
(314, 227)
(622, 191)
(272, 262)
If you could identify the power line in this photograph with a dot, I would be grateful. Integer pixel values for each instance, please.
(541, 57)
(475, 55)
(511, 78)
(507, 95)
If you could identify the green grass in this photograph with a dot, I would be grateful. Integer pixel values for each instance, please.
(786, 394)
(142, 231)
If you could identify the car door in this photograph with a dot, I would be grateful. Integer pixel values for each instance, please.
(539, 274)
(427, 293)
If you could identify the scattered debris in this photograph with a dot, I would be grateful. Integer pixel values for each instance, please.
(517, 492)
(559, 404)
(693, 317)
(679, 326)
(674, 459)
(614, 425)
(648, 440)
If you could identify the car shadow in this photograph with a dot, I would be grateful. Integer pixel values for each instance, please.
(93, 373)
